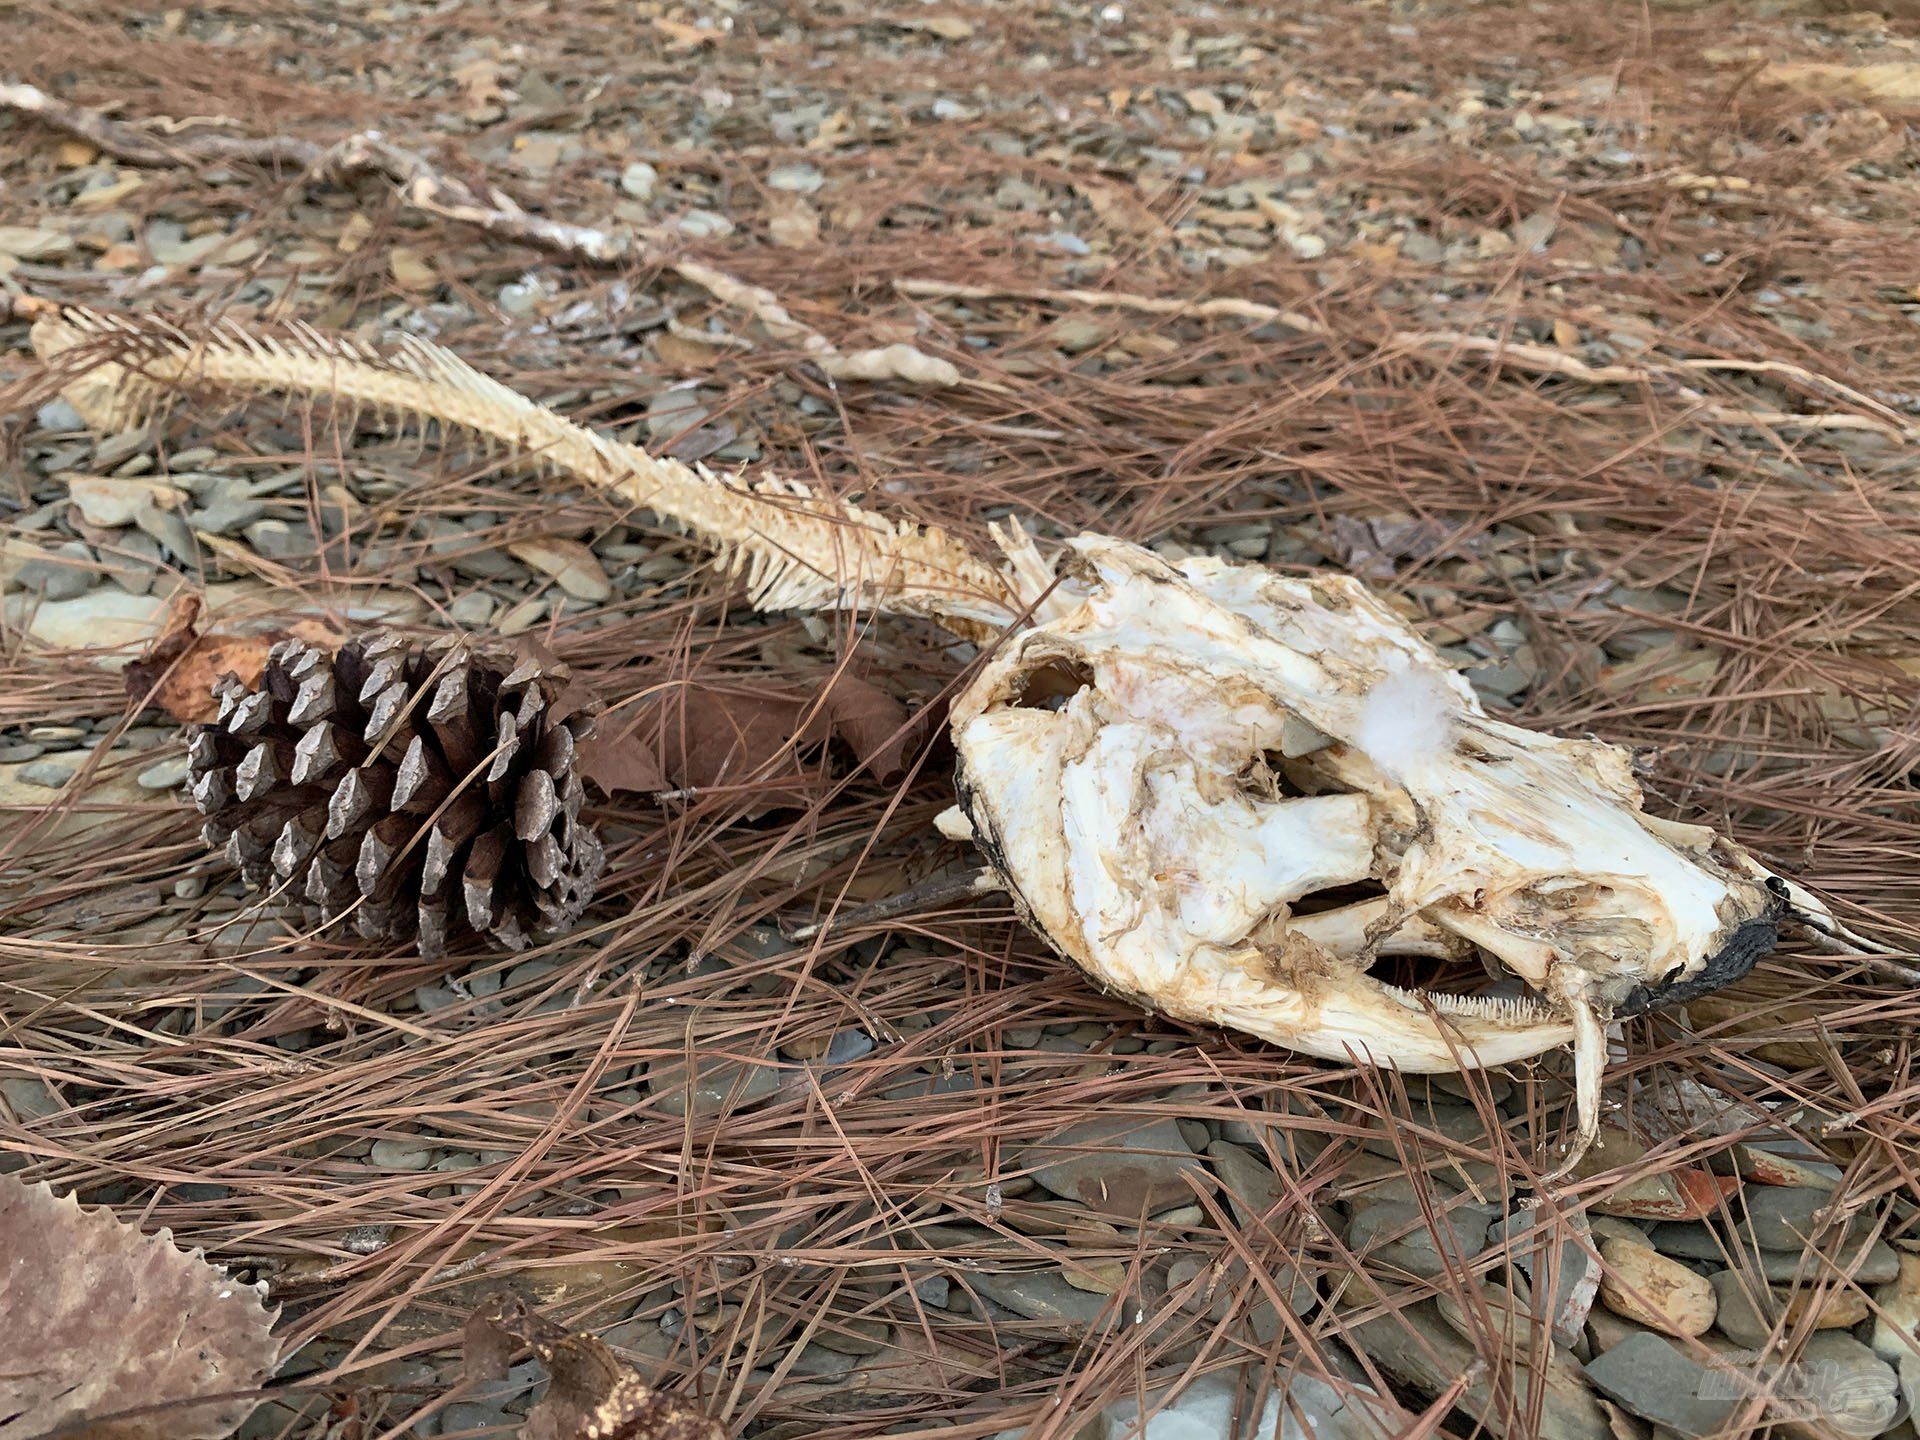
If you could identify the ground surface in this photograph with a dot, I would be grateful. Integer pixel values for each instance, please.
(857, 1230)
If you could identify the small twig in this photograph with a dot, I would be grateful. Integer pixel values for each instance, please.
(420, 186)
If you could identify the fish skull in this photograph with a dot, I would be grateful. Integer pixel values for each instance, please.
(1178, 769)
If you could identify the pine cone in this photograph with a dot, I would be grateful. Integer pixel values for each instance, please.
(420, 789)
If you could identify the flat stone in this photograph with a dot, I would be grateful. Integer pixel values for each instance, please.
(111, 501)
(711, 1087)
(1500, 1318)
(47, 774)
(1558, 1260)
(1550, 1402)
(1252, 1189)
(472, 610)
(1752, 1315)
(1896, 1328)
(1606, 1330)
(1782, 1217)
(280, 539)
(65, 573)
(1878, 1264)
(853, 1335)
(228, 512)
(1399, 1236)
(102, 619)
(524, 616)
(165, 775)
(29, 1098)
(1675, 1195)
(1044, 1295)
(407, 1153)
(21, 752)
(1853, 1390)
(1644, 1286)
(1116, 1166)
(1650, 1376)
(168, 529)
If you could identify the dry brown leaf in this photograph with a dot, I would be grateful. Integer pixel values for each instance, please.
(101, 1319)
(700, 736)
(1119, 207)
(593, 1395)
(177, 672)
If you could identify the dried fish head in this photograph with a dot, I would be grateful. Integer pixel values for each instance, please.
(1226, 793)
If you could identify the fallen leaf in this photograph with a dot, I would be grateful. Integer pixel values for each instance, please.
(572, 565)
(700, 736)
(592, 1395)
(177, 671)
(1119, 207)
(101, 1318)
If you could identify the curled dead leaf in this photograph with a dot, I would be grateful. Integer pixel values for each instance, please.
(177, 671)
(593, 1394)
(703, 736)
(102, 1319)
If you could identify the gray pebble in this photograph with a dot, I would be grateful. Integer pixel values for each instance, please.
(1782, 1217)
(1658, 1381)
(165, 775)
(29, 1098)
(472, 610)
(406, 1153)
(168, 529)
(64, 574)
(464, 1416)
(279, 539)
(20, 752)
(190, 887)
(1117, 1166)
(1043, 1295)
(1696, 1240)
(58, 414)
(48, 774)
(716, 1085)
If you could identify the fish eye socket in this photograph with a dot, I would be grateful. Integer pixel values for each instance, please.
(1049, 685)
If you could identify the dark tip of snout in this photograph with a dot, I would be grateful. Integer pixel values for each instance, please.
(1751, 940)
